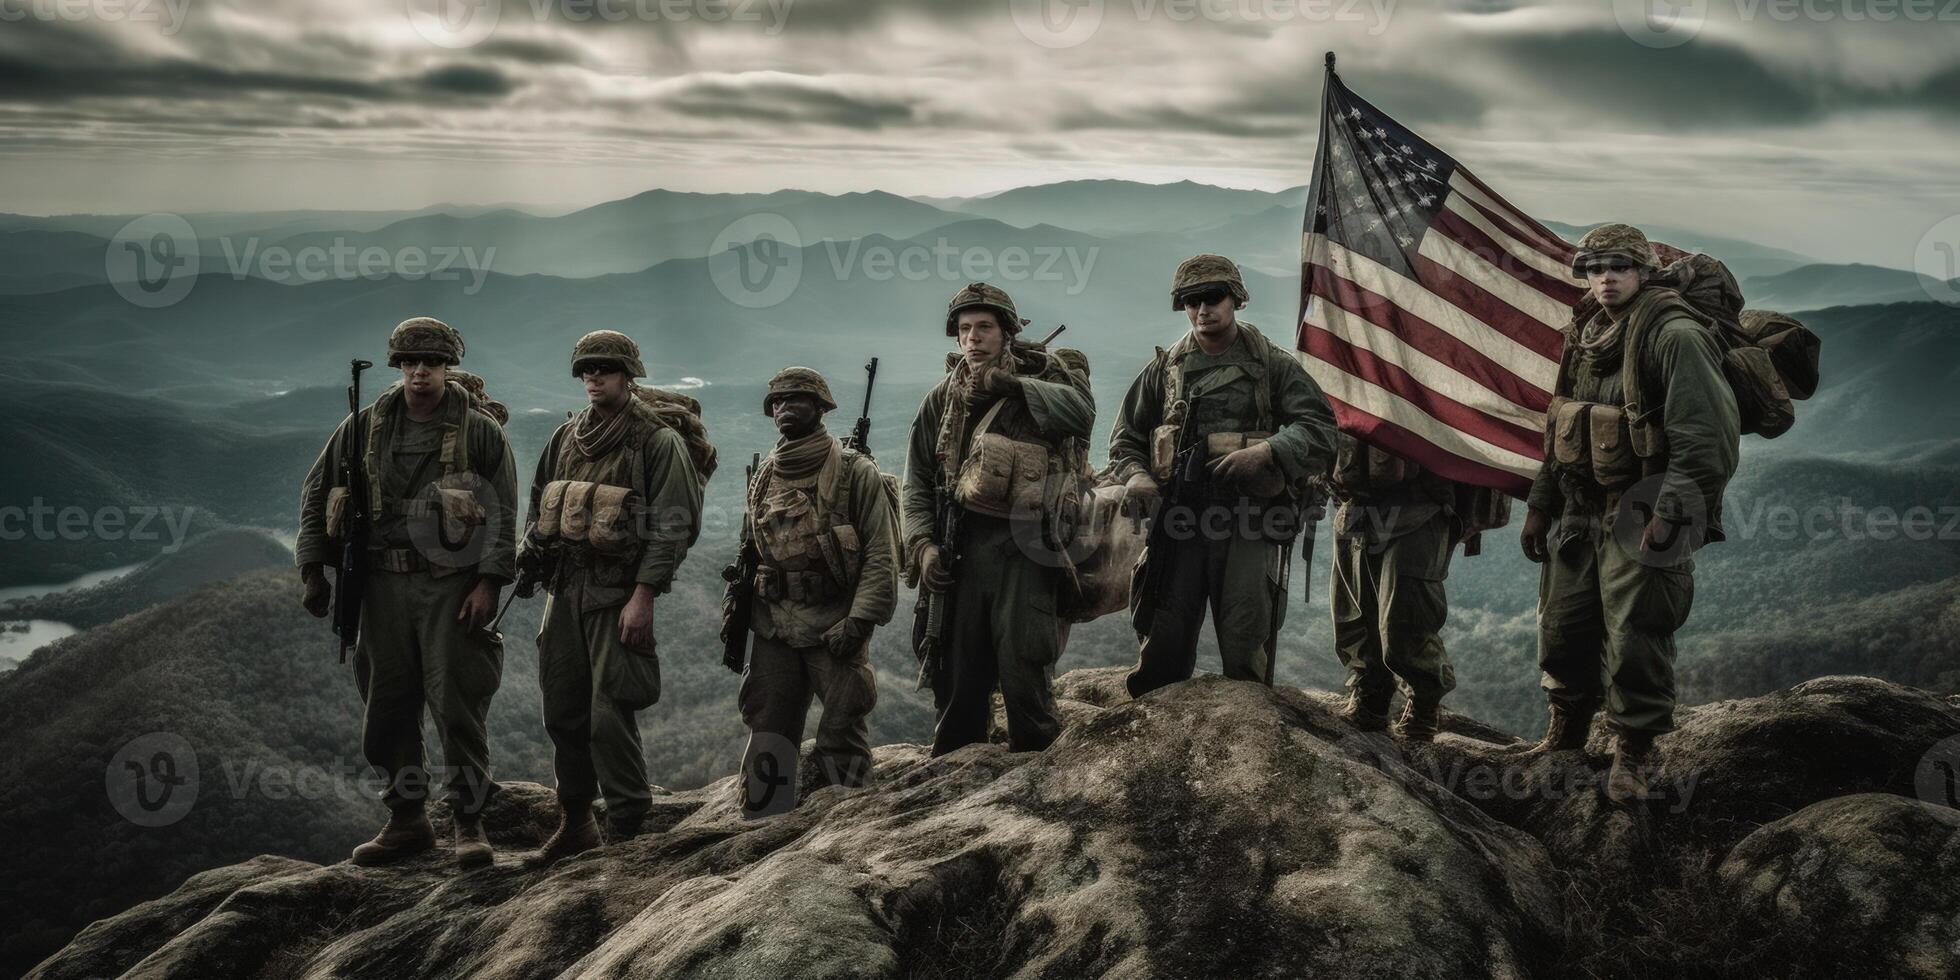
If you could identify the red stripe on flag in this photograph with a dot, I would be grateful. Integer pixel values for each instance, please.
(1529, 331)
(1408, 445)
(1555, 249)
(1428, 338)
(1527, 220)
(1485, 247)
(1363, 364)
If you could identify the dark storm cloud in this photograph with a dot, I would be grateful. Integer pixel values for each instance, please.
(30, 79)
(782, 100)
(1170, 119)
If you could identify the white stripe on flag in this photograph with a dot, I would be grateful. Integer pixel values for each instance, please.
(1446, 252)
(1522, 251)
(1523, 224)
(1425, 370)
(1385, 404)
(1529, 365)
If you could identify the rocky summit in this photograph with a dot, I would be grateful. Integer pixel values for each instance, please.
(1212, 828)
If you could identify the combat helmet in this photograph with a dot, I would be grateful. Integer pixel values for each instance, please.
(980, 295)
(422, 336)
(1615, 239)
(798, 381)
(608, 345)
(1203, 270)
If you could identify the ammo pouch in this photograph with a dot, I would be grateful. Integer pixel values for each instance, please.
(596, 515)
(461, 512)
(1594, 439)
(1002, 477)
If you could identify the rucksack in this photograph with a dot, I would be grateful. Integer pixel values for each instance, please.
(682, 414)
(1768, 358)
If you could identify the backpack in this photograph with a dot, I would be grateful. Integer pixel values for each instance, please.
(1768, 358)
(682, 414)
(480, 396)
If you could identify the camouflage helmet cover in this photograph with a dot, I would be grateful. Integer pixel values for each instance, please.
(985, 296)
(798, 381)
(422, 336)
(1207, 270)
(608, 345)
(1615, 239)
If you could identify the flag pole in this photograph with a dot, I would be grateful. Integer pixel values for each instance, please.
(1314, 190)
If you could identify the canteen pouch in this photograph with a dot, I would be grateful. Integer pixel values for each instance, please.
(336, 513)
(1614, 464)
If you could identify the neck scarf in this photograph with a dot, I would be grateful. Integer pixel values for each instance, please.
(595, 436)
(797, 459)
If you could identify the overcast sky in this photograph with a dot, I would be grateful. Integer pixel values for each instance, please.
(1829, 126)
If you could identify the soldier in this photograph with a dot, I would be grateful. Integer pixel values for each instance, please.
(1395, 531)
(1617, 583)
(1232, 420)
(432, 457)
(615, 504)
(990, 447)
(827, 542)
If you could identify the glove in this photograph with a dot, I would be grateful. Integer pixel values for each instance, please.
(845, 639)
(1141, 495)
(1250, 471)
(315, 594)
(935, 577)
(987, 384)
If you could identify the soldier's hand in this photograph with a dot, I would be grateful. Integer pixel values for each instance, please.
(314, 592)
(1141, 494)
(1247, 469)
(936, 577)
(1537, 525)
(636, 619)
(480, 606)
(845, 639)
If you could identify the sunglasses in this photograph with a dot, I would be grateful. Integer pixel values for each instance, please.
(1602, 268)
(1203, 297)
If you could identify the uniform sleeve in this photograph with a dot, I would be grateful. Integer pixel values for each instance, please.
(1704, 427)
(921, 470)
(1307, 438)
(313, 547)
(1545, 494)
(500, 559)
(673, 509)
(1142, 411)
(1061, 409)
(877, 585)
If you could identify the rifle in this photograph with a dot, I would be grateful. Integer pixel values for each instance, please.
(1188, 480)
(860, 438)
(929, 619)
(738, 597)
(1045, 341)
(350, 575)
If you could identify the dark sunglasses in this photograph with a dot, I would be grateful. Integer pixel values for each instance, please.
(1602, 268)
(1203, 297)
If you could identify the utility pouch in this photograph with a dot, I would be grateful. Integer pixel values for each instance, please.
(1614, 466)
(1163, 452)
(1567, 432)
(612, 512)
(1645, 433)
(551, 504)
(336, 513)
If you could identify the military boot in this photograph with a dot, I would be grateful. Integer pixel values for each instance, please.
(1421, 719)
(1567, 729)
(625, 822)
(1634, 760)
(472, 848)
(577, 833)
(1367, 712)
(407, 833)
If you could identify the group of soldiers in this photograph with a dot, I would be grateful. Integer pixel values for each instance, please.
(1223, 441)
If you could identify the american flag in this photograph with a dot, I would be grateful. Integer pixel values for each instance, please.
(1431, 309)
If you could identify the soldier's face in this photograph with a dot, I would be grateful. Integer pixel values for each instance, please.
(1211, 311)
(424, 377)
(981, 338)
(796, 415)
(1613, 279)
(605, 385)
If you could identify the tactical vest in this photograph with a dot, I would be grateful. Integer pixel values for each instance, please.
(1607, 430)
(1001, 476)
(455, 484)
(1164, 438)
(807, 549)
(592, 509)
